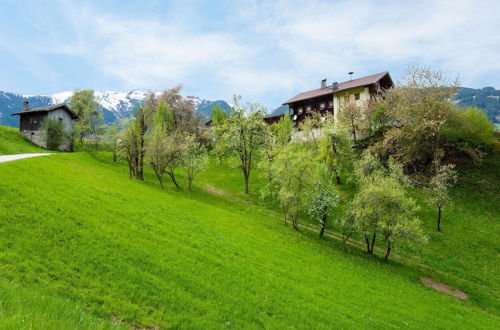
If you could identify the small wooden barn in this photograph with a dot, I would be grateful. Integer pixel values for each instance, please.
(31, 122)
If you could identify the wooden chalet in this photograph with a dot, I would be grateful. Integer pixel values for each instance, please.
(328, 98)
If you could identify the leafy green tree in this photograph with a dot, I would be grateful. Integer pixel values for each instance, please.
(157, 152)
(418, 110)
(322, 201)
(112, 138)
(271, 147)
(84, 104)
(165, 152)
(347, 224)
(295, 171)
(354, 115)
(336, 150)
(195, 160)
(445, 177)
(243, 134)
(377, 113)
(310, 129)
(469, 131)
(283, 129)
(164, 117)
(221, 147)
(175, 150)
(143, 118)
(130, 145)
(218, 115)
(382, 207)
(277, 137)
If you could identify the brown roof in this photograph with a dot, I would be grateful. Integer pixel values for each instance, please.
(359, 82)
(48, 108)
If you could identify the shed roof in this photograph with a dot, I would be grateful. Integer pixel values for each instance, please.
(359, 82)
(48, 108)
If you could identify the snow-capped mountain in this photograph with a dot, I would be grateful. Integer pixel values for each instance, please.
(115, 105)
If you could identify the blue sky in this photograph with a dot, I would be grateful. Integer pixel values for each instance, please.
(267, 51)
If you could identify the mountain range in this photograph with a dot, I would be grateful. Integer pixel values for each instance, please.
(115, 105)
(486, 99)
(118, 105)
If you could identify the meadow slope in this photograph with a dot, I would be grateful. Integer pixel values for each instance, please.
(11, 142)
(78, 228)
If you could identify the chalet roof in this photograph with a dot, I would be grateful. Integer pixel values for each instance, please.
(342, 86)
(47, 108)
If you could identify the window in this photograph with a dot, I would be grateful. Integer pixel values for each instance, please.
(322, 105)
(308, 108)
(300, 110)
(356, 96)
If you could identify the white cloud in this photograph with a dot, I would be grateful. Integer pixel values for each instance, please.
(268, 51)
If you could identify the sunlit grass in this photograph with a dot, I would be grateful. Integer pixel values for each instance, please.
(76, 231)
(11, 142)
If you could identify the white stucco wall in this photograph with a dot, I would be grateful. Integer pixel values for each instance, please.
(338, 98)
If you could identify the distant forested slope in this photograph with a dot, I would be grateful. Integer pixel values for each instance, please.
(486, 98)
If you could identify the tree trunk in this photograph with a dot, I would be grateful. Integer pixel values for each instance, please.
(136, 167)
(388, 251)
(160, 179)
(190, 183)
(114, 157)
(172, 176)
(296, 221)
(337, 179)
(140, 167)
(353, 129)
(323, 226)
(373, 241)
(439, 219)
(246, 182)
(130, 169)
(367, 244)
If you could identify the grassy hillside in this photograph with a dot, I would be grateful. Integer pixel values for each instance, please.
(124, 250)
(22, 308)
(11, 142)
(461, 255)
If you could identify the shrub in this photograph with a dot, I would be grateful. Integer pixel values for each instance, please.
(54, 133)
(469, 126)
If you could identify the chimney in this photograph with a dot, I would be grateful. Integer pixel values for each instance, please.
(26, 105)
(350, 75)
(323, 83)
(335, 86)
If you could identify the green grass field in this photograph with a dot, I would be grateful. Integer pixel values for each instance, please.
(11, 142)
(81, 245)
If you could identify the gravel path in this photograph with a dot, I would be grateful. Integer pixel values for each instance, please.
(8, 158)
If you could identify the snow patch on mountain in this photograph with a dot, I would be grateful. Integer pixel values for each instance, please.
(115, 105)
